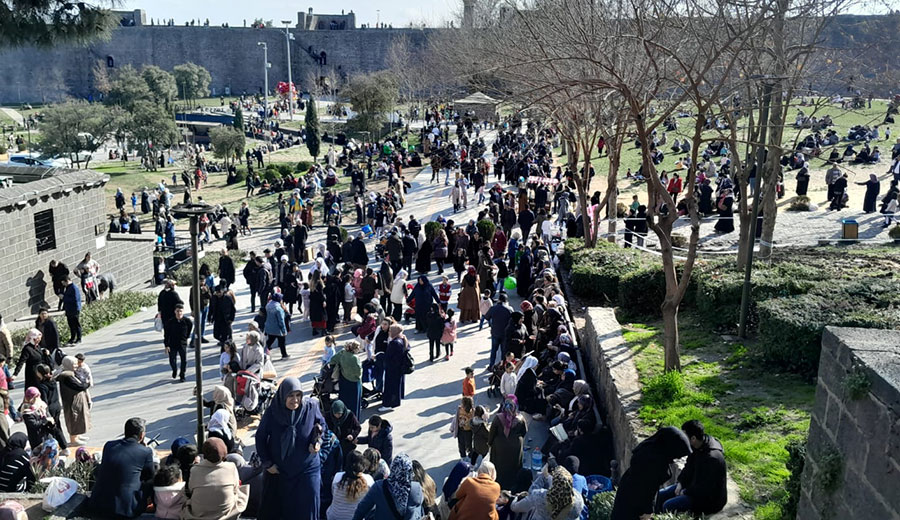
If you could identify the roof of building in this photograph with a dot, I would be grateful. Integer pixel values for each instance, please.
(30, 183)
(478, 98)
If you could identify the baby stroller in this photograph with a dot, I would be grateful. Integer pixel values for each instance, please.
(252, 393)
(494, 378)
(324, 386)
(370, 369)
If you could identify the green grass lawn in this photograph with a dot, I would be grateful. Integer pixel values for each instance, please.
(753, 411)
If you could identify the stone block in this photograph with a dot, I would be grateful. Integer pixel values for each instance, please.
(883, 475)
(832, 414)
(861, 499)
(806, 510)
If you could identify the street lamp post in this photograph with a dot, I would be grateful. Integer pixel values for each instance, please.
(266, 84)
(287, 38)
(194, 211)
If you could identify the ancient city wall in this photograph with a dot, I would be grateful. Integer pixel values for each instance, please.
(852, 467)
(231, 55)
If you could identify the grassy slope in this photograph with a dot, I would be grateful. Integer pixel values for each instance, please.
(752, 411)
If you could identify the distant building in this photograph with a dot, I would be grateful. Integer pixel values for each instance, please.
(310, 21)
(135, 18)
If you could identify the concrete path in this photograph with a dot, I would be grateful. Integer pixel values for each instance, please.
(14, 115)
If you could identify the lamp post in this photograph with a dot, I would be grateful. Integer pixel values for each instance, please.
(194, 211)
(266, 84)
(288, 36)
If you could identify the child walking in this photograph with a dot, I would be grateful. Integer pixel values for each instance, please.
(448, 338)
(465, 412)
(484, 305)
(480, 436)
(443, 291)
(468, 385)
(509, 380)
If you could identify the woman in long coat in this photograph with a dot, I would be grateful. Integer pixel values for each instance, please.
(223, 311)
(487, 279)
(74, 396)
(32, 356)
(424, 295)
(288, 441)
(394, 361)
(423, 257)
(523, 274)
(468, 298)
(725, 224)
(350, 376)
(873, 186)
(506, 439)
(317, 317)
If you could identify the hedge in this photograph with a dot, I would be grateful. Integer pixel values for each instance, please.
(641, 292)
(719, 291)
(99, 314)
(790, 329)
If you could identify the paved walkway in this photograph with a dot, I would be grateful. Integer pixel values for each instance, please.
(14, 115)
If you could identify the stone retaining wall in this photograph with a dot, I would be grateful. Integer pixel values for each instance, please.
(852, 467)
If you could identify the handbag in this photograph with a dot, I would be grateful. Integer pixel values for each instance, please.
(158, 323)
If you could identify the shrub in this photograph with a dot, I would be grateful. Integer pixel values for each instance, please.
(284, 170)
(270, 174)
(642, 292)
(99, 314)
(595, 272)
(796, 459)
(184, 275)
(663, 389)
(601, 505)
(799, 203)
(303, 166)
(719, 291)
(431, 229)
(3, 149)
(486, 229)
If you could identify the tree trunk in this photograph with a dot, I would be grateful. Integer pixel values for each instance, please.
(611, 183)
(585, 214)
(670, 335)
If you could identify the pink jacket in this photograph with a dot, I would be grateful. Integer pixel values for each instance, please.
(169, 500)
(449, 335)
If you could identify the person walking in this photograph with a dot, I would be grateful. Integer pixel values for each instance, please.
(499, 316)
(30, 357)
(506, 439)
(395, 359)
(276, 324)
(72, 308)
(176, 332)
(75, 401)
(349, 368)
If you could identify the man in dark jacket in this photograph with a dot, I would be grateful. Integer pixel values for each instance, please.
(176, 333)
(72, 307)
(250, 277)
(226, 269)
(125, 478)
(379, 437)
(498, 315)
(394, 250)
(264, 280)
(526, 220)
(410, 246)
(386, 283)
(701, 487)
(167, 300)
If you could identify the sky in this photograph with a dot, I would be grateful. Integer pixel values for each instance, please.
(396, 12)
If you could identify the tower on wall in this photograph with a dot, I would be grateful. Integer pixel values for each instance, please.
(468, 14)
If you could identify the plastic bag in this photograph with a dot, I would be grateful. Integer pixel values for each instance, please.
(268, 369)
(157, 323)
(509, 283)
(59, 491)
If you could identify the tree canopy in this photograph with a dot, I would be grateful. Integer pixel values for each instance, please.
(312, 128)
(192, 81)
(227, 141)
(46, 23)
(76, 127)
(126, 88)
(161, 84)
(372, 97)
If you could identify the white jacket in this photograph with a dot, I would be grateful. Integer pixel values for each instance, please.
(508, 383)
(398, 292)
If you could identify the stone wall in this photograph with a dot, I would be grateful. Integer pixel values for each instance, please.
(231, 55)
(612, 367)
(79, 206)
(854, 441)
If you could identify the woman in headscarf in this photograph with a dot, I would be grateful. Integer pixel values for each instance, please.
(468, 297)
(873, 187)
(349, 370)
(74, 397)
(223, 400)
(424, 295)
(288, 441)
(16, 475)
(459, 472)
(394, 360)
(317, 317)
(506, 439)
(398, 497)
(516, 337)
(423, 257)
(345, 426)
(219, 428)
(38, 422)
(523, 273)
(648, 471)
(560, 502)
(528, 312)
(527, 392)
(32, 356)
(398, 294)
(214, 491)
(222, 311)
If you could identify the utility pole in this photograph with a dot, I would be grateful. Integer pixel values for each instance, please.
(266, 85)
(288, 37)
(757, 200)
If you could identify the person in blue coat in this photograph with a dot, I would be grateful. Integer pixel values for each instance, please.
(423, 294)
(288, 441)
(126, 475)
(276, 325)
(71, 302)
(397, 497)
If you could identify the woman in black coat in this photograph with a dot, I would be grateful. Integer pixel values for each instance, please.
(222, 310)
(423, 257)
(516, 336)
(523, 274)
(394, 377)
(423, 294)
(648, 471)
(317, 316)
(334, 295)
(873, 187)
(32, 356)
